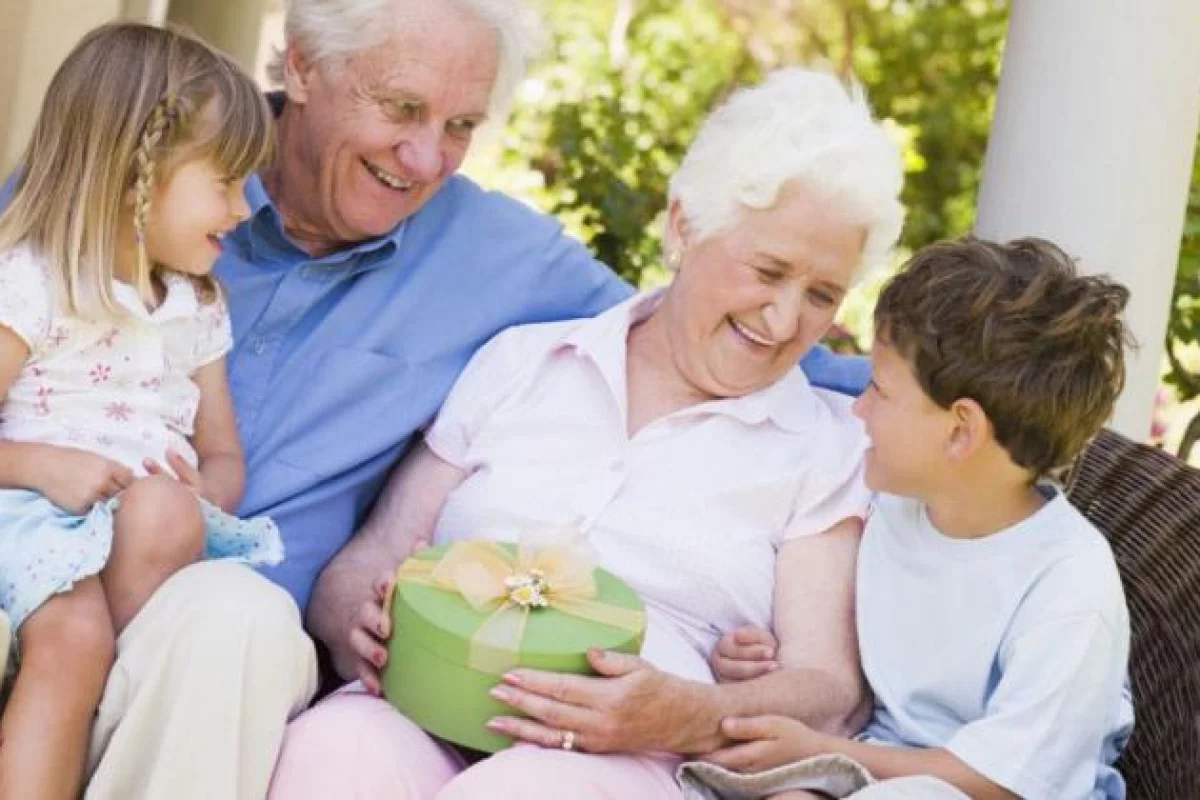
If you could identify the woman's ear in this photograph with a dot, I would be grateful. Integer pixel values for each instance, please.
(972, 429)
(678, 231)
(297, 72)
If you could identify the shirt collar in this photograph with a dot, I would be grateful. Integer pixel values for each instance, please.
(180, 300)
(789, 403)
(264, 232)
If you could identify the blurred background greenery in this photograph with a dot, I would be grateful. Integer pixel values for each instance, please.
(623, 85)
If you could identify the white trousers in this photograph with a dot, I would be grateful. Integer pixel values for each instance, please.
(206, 678)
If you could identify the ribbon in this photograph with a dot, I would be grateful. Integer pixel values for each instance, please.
(511, 586)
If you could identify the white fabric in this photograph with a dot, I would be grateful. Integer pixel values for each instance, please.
(1010, 650)
(689, 512)
(206, 677)
(121, 388)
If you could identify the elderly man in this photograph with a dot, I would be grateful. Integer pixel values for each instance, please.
(365, 278)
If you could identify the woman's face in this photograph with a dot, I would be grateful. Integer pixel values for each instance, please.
(750, 301)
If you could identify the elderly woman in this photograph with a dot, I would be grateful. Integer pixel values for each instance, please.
(677, 432)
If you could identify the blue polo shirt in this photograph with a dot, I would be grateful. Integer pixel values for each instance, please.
(339, 360)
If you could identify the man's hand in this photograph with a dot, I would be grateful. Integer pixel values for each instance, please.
(75, 480)
(630, 707)
(371, 632)
(743, 654)
(765, 742)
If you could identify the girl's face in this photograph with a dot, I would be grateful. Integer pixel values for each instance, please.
(190, 213)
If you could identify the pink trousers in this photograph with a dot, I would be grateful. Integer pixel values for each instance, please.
(357, 747)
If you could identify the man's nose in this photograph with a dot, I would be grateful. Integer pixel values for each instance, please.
(420, 155)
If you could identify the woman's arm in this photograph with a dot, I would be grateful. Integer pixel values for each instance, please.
(635, 707)
(346, 610)
(819, 680)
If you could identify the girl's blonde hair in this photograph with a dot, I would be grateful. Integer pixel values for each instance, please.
(129, 103)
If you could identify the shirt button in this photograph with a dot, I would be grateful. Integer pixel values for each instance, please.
(259, 346)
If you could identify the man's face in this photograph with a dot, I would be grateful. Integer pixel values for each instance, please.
(382, 132)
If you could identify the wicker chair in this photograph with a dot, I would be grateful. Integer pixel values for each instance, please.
(1148, 505)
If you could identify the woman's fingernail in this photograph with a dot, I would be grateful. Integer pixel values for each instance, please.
(512, 679)
(501, 693)
(496, 725)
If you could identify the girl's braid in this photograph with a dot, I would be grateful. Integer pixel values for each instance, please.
(158, 127)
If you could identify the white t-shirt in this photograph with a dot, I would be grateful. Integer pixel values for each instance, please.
(122, 389)
(690, 511)
(1011, 650)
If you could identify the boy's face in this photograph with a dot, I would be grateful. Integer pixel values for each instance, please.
(909, 433)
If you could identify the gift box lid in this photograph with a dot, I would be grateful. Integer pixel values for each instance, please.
(442, 621)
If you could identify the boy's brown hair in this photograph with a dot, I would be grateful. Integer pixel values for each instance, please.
(1015, 328)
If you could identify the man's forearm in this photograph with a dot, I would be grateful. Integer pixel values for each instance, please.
(341, 590)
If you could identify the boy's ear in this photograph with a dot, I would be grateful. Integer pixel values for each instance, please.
(297, 72)
(972, 429)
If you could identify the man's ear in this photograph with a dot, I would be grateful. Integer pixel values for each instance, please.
(297, 73)
(972, 429)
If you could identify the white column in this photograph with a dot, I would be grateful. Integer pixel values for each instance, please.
(35, 36)
(1091, 147)
(234, 26)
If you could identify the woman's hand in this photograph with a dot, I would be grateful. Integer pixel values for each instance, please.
(75, 480)
(371, 632)
(764, 742)
(743, 654)
(630, 707)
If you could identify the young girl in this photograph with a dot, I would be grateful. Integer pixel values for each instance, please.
(119, 455)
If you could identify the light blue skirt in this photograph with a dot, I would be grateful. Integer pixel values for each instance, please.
(44, 550)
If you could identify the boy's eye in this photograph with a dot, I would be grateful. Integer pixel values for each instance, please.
(822, 298)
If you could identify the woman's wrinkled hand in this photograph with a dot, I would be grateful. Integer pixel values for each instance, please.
(744, 654)
(370, 633)
(630, 706)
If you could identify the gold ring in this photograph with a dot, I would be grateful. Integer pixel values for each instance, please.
(568, 740)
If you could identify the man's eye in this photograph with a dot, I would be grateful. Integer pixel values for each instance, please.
(403, 110)
(462, 127)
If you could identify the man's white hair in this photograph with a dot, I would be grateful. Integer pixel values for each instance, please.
(803, 126)
(333, 31)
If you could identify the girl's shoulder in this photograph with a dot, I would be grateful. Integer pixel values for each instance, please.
(26, 294)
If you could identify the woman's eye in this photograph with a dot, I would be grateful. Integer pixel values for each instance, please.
(768, 276)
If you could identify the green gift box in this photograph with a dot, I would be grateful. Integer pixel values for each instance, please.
(464, 614)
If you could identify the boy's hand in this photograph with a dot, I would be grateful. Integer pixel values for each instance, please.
(765, 742)
(75, 480)
(745, 653)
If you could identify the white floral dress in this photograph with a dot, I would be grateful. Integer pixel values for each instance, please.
(122, 389)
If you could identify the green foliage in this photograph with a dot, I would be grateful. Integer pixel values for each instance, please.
(1183, 332)
(612, 111)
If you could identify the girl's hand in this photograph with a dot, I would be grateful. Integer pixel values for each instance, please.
(743, 654)
(765, 742)
(75, 480)
(180, 470)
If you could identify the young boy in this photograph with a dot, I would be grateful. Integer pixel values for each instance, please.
(991, 622)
